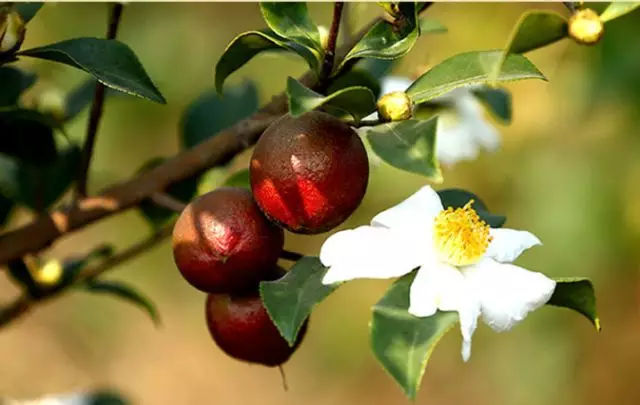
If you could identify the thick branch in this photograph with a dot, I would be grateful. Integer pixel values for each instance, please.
(330, 52)
(96, 112)
(218, 150)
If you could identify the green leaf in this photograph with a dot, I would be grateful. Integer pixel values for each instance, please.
(289, 300)
(535, 29)
(181, 191)
(470, 68)
(27, 135)
(458, 198)
(79, 98)
(576, 293)
(386, 40)
(291, 20)
(210, 113)
(408, 145)
(13, 82)
(106, 398)
(247, 45)
(110, 61)
(378, 68)
(401, 342)
(618, 9)
(127, 293)
(358, 101)
(73, 266)
(6, 205)
(239, 179)
(355, 77)
(38, 186)
(28, 10)
(498, 101)
(431, 26)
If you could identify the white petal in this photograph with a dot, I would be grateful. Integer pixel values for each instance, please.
(507, 293)
(368, 252)
(416, 212)
(508, 244)
(454, 139)
(441, 286)
(394, 83)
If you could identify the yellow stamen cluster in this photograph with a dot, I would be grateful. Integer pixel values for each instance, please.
(460, 236)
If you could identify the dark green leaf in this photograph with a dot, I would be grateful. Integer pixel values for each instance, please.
(211, 113)
(289, 300)
(291, 20)
(27, 135)
(458, 198)
(618, 9)
(247, 45)
(378, 68)
(182, 191)
(110, 61)
(358, 101)
(386, 40)
(106, 398)
(239, 179)
(79, 98)
(403, 343)
(408, 145)
(431, 26)
(38, 186)
(28, 10)
(355, 77)
(126, 292)
(497, 100)
(576, 293)
(72, 267)
(13, 82)
(470, 68)
(20, 274)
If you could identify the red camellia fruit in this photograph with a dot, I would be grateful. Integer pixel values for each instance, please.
(309, 173)
(241, 327)
(222, 242)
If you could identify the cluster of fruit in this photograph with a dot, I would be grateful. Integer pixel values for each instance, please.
(308, 174)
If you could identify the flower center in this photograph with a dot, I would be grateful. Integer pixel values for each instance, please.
(460, 236)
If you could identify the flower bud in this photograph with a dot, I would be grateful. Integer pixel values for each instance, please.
(585, 27)
(396, 106)
(11, 31)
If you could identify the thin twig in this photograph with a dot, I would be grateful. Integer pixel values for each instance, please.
(366, 123)
(95, 115)
(570, 6)
(291, 256)
(330, 52)
(164, 200)
(24, 303)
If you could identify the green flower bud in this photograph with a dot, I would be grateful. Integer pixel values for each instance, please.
(396, 106)
(585, 27)
(11, 31)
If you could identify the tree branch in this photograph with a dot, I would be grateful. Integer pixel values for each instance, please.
(215, 151)
(24, 303)
(291, 256)
(330, 52)
(164, 200)
(96, 112)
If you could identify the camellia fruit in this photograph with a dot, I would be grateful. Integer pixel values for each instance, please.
(222, 242)
(309, 173)
(241, 327)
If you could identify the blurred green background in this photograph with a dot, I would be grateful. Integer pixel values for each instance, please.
(568, 170)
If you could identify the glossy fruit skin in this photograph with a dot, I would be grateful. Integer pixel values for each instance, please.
(241, 327)
(309, 173)
(222, 242)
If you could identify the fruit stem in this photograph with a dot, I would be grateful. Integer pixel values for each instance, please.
(289, 255)
(283, 377)
(330, 52)
(164, 200)
(96, 112)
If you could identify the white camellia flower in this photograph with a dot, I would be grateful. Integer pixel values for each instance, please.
(463, 263)
(462, 128)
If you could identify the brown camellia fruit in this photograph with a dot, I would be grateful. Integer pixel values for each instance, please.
(309, 173)
(222, 242)
(241, 327)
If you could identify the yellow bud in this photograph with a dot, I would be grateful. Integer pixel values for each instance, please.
(585, 27)
(396, 106)
(11, 32)
(51, 102)
(50, 274)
